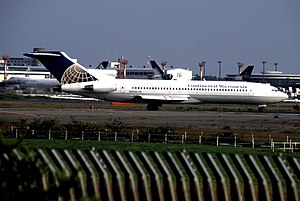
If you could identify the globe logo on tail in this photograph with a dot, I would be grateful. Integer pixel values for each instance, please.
(75, 74)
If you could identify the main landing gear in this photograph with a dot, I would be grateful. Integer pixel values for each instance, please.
(152, 107)
(262, 108)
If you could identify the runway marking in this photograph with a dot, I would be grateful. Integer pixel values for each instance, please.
(140, 113)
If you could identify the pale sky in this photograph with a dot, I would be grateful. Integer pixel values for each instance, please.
(181, 32)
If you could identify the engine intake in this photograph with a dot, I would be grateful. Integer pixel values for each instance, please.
(167, 76)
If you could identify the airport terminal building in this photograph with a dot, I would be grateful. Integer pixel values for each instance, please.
(23, 67)
(275, 78)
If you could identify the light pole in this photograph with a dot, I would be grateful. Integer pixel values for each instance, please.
(220, 64)
(263, 63)
(275, 64)
(204, 62)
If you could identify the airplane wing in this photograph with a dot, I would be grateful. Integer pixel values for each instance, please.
(167, 98)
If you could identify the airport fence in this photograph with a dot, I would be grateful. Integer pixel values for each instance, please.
(202, 139)
(125, 175)
(285, 146)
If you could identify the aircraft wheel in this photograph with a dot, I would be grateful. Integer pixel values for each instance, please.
(152, 107)
(261, 109)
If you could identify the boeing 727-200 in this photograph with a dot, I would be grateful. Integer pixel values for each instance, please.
(76, 79)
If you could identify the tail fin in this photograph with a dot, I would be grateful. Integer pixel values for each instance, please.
(63, 68)
(247, 73)
(161, 73)
(156, 67)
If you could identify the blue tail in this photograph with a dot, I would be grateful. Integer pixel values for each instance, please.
(62, 67)
(156, 67)
(161, 73)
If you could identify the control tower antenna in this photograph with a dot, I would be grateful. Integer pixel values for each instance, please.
(163, 64)
(122, 67)
(201, 65)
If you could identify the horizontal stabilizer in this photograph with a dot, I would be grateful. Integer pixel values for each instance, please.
(37, 54)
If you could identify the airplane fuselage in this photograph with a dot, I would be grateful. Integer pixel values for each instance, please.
(178, 91)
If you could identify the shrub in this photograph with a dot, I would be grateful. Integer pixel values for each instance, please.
(116, 126)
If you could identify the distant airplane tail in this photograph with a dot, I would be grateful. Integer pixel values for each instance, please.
(156, 67)
(63, 68)
(161, 73)
(245, 75)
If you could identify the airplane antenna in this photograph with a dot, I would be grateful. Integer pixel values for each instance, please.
(5, 59)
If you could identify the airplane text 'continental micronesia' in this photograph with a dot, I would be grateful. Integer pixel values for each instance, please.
(218, 86)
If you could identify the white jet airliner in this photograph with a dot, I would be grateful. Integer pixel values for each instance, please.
(76, 79)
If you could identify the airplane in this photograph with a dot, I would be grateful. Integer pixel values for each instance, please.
(76, 79)
(31, 83)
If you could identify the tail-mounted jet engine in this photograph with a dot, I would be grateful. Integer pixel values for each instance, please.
(101, 88)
